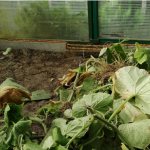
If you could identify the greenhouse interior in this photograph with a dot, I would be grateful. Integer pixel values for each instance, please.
(74, 75)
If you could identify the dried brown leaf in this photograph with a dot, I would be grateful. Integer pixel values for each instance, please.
(10, 94)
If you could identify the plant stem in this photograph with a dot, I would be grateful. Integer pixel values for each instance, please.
(98, 116)
(101, 87)
(38, 120)
(119, 108)
(94, 138)
(74, 85)
(113, 87)
(72, 139)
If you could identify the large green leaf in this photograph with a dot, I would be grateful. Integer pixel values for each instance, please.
(132, 81)
(137, 134)
(98, 101)
(129, 113)
(79, 126)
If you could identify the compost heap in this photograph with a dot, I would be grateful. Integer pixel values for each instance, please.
(104, 104)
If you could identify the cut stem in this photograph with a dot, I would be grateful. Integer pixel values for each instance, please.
(119, 108)
(74, 85)
(101, 87)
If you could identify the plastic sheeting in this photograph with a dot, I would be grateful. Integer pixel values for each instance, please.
(126, 19)
(44, 20)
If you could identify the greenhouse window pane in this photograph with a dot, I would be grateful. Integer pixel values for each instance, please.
(44, 20)
(124, 19)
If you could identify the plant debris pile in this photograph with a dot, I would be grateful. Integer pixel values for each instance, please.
(104, 104)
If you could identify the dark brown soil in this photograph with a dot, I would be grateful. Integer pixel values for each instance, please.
(37, 69)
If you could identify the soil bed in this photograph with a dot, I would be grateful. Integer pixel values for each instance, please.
(37, 70)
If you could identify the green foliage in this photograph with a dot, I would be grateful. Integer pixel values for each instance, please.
(40, 95)
(114, 118)
(58, 137)
(38, 20)
(134, 82)
(12, 114)
(129, 113)
(15, 128)
(136, 137)
(97, 101)
(88, 84)
(31, 145)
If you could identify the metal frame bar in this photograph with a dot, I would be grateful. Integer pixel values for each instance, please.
(94, 27)
(93, 21)
(131, 41)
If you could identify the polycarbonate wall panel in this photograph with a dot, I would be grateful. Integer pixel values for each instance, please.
(44, 20)
(124, 19)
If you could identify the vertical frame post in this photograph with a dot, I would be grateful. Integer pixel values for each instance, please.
(93, 21)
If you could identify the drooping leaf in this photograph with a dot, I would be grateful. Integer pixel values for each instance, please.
(78, 126)
(132, 81)
(11, 92)
(58, 137)
(60, 123)
(40, 95)
(31, 146)
(48, 143)
(137, 134)
(11, 83)
(12, 114)
(129, 113)
(140, 54)
(20, 128)
(98, 101)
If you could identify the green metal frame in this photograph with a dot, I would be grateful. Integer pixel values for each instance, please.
(93, 21)
(94, 27)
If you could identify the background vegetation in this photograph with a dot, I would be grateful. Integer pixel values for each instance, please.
(39, 20)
